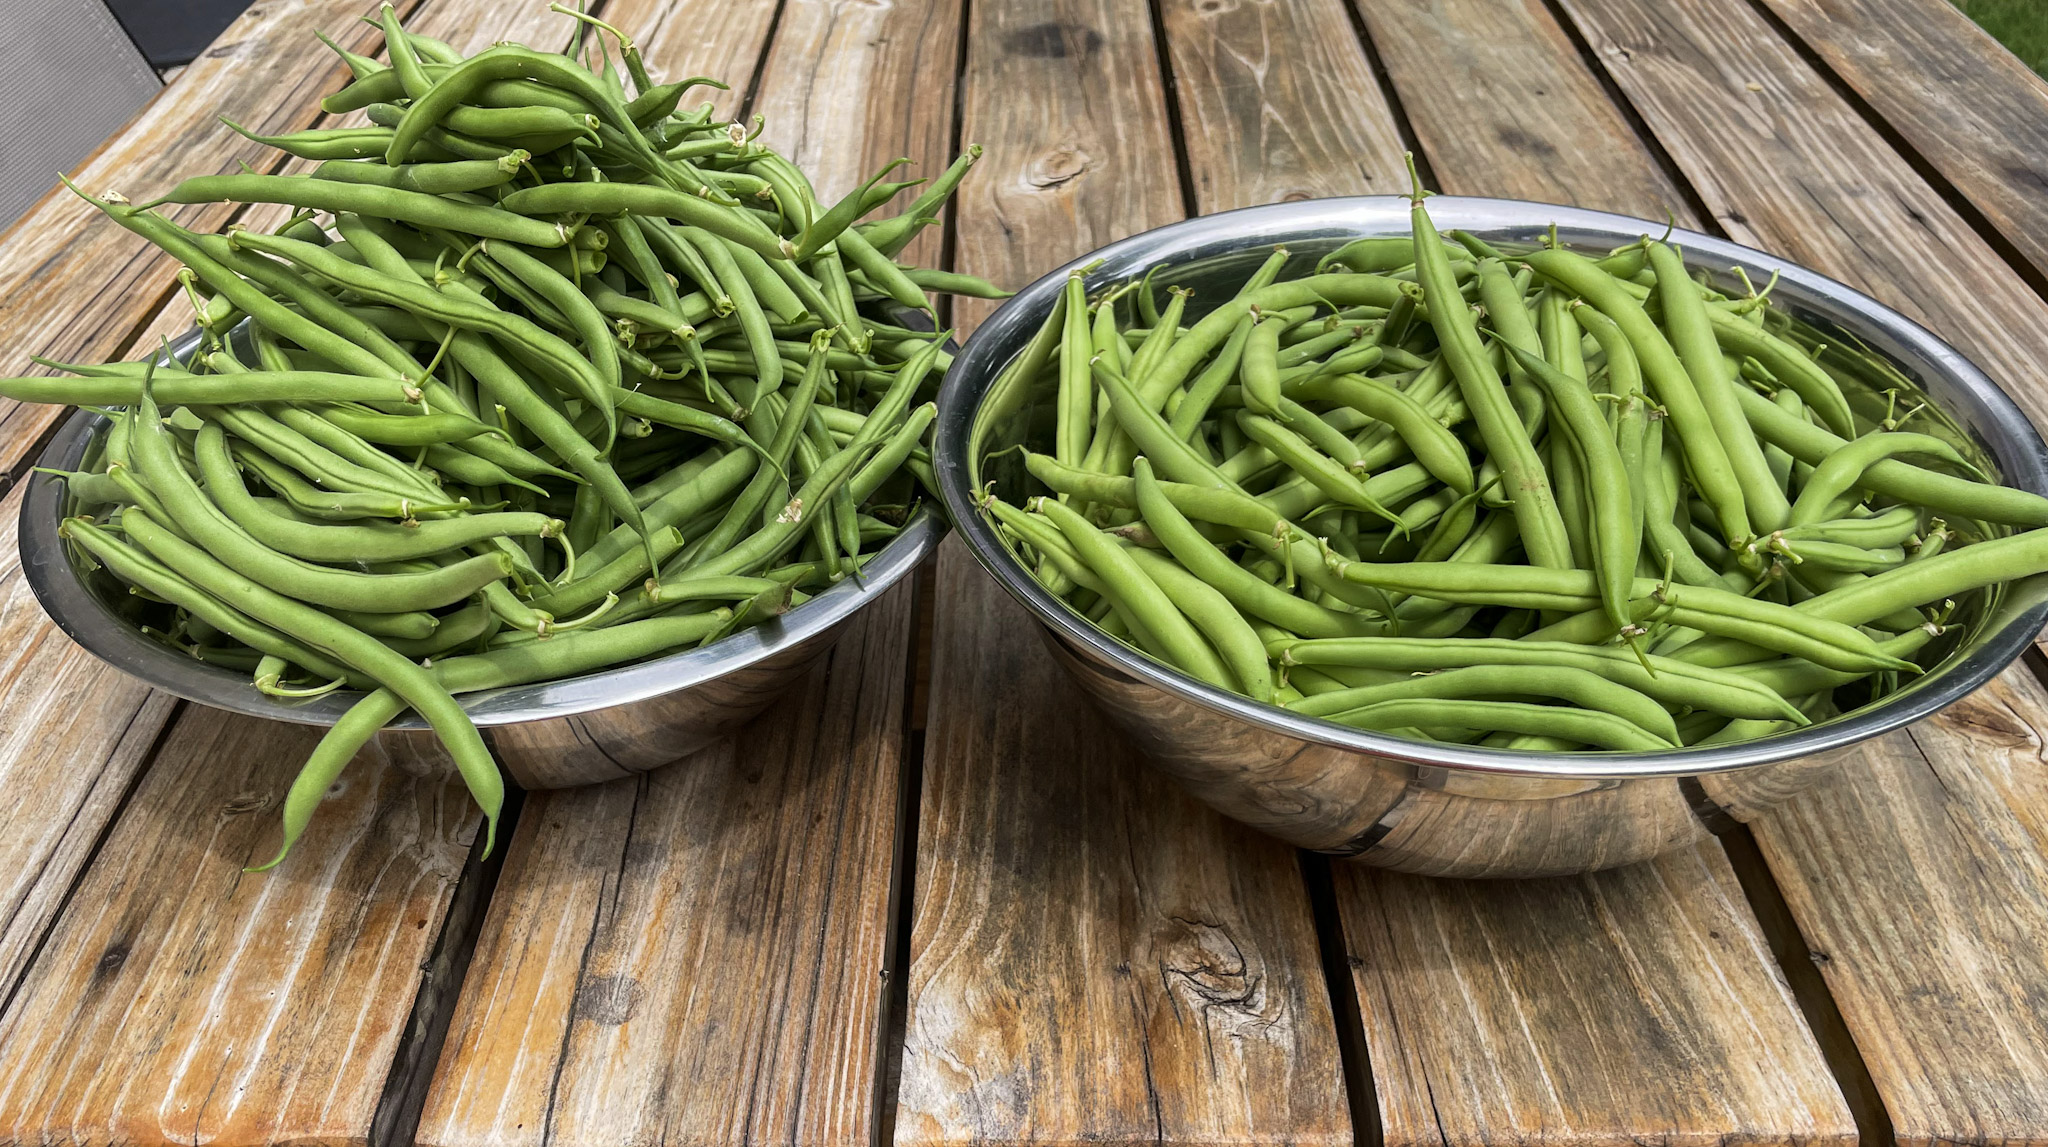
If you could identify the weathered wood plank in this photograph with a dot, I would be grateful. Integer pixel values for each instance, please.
(1631, 1006)
(1502, 105)
(1785, 164)
(73, 735)
(682, 38)
(473, 25)
(1460, 1053)
(179, 999)
(1920, 881)
(1067, 97)
(1278, 103)
(1968, 106)
(1095, 956)
(74, 286)
(697, 955)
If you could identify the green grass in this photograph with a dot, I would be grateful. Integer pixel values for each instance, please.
(2021, 25)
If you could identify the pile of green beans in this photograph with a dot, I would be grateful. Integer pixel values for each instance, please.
(1531, 499)
(543, 376)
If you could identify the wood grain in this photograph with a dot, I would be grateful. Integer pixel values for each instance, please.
(1784, 164)
(697, 955)
(473, 25)
(1919, 877)
(76, 287)
(1502, 105)
(1095, 957)
(1066, 95)
(1969, 107)
(680, 38)
(74, 733)
(1278, 102)
(1636, 1005)
(179, 999)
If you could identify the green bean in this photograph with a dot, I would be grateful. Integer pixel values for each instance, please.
(192, 513)
(840, 216)
(1790, 677)
(1845, 467)
(1203, 504)
(1891, 478)
(1578, 725)
(323, 143)
(1506, 439)
(412, 624)
(1890, 527)
(139, 569)
(953, 283)
(1706, 456)
(1297, 454)
(753, 320)
(1789, 365)
(1668, 680)
(397, 429)
(1617, 526)
(1261, 368)
(1201, 395)
(1586, 689)
(608, 199)
(275, 527)
(467, 311)
(181, 388)
(497, 378)
(891, 236)
(1141, 599)
(1433, 445)
(1213, 614)
(368, 199)
(1692, 337)
(1840, 556)
(333, 505)
(583, 317)
(350, 647)
(428, 178)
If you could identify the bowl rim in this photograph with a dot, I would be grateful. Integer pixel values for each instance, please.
(2011, 437)
(65, 599)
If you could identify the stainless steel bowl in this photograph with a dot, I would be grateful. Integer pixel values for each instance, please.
(1450, 809)
(578, 731)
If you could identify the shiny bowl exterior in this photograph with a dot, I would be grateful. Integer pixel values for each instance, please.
(1450, 809)
(556, 734)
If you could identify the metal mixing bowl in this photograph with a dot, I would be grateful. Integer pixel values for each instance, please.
(557, 734)
(1451, 809)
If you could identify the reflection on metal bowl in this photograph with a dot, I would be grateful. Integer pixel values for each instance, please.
(556, 734)
(1443, 809)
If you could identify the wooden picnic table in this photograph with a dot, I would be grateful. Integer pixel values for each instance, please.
(931, 899)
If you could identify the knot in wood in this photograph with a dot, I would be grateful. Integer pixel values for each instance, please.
(1059, 167)
(1208, 972)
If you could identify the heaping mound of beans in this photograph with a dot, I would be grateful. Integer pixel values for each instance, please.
(1531, 500)
(542, 377)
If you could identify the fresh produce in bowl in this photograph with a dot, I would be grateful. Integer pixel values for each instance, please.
(545, 376)
(1503, 550)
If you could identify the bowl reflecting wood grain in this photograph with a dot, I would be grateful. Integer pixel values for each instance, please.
(553, 734)
(1445, 809)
